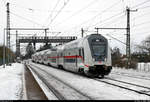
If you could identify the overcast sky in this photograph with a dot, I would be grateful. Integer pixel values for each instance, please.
(69, 16)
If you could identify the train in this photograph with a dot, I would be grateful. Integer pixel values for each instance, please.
(90, 55)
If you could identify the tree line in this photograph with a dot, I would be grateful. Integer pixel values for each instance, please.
(142, 54)
(12, 55)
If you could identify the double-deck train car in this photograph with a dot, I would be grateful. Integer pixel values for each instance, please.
(90, 55)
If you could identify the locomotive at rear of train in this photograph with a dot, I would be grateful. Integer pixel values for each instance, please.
(90, 55)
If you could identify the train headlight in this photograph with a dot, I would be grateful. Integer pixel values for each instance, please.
(93, 59)
(105, 59)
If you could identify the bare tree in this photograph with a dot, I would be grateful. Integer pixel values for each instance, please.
(116, 56)
(29, 50)
(144, 49)
(145, 46)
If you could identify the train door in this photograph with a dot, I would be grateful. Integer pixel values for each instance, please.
(80, 58)
(57, 58)
(61, 59)
(76, 60)
(73, 62)
(82, 54)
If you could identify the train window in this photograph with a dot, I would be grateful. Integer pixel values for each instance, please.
(99, 52)
(53, 60)
(99, 49)
(70, 60)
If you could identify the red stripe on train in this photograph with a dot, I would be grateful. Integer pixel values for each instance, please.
(70, 57)
(66, 57)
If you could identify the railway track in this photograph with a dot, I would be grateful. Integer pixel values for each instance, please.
(130, 87)
(125, 74)
(64, 92)
(55, 92)
(126, 85)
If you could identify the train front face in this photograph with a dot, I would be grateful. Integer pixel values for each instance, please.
(100, 55)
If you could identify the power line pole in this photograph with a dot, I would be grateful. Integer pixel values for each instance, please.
(128, 53)
(128, 50)
(4, 54)
(8, 32)
(45, 37)
(17, 44)
(16, 40)
(82, 32)
(97, 30)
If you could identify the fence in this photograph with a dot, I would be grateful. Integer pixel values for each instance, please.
(144, 67)
(1, 61)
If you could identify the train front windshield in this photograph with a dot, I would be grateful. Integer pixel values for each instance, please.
(99, 52)
(98, 45)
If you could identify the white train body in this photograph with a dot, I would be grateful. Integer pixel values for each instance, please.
(45, 58)
(90, 55)
(35, 57)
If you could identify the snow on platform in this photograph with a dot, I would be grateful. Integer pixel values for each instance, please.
(11, 82)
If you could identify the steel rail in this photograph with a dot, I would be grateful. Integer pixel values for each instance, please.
(127, 83)
(82, 94)
(124, 74)
(55, 92)
(130, 89)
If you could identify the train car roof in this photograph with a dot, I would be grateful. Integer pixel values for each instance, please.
(76, 42)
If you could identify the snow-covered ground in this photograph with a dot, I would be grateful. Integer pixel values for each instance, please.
(94, 89)
(11, 82)
(132, 72)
